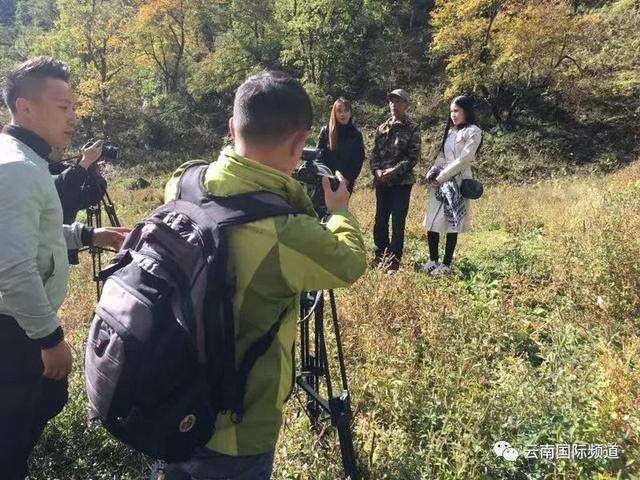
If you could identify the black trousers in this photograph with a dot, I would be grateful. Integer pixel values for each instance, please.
(391, 202)
(28, 400)
(434, 239)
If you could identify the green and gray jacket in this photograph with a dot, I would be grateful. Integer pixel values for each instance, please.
(271, 262)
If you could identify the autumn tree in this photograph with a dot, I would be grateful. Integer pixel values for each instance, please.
(164, 32)
(245, 38)
(37, 13)
(89, 35)
(158, 72)
(610, 87)
(507, 51)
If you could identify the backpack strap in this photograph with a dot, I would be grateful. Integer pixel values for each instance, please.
(191, 183)
(251, 356)
(246, 207)
(234, 209)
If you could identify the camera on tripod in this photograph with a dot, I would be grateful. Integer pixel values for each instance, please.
(110, 151)
(313, 168)
(94, 212)
(313, 374)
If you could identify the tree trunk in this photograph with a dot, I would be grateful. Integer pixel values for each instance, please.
(493, 104)
(413, 18)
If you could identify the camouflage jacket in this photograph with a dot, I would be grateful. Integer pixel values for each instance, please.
(397, 145)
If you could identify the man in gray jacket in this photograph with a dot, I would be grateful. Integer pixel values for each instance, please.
(35, 360)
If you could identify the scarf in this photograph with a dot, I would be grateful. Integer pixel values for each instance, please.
(449, 195)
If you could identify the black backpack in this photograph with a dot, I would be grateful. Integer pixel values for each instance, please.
(160, 356)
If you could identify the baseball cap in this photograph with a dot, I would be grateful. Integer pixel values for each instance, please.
(399, 92)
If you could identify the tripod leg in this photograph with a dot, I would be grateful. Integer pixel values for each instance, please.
(110, 209)
(305, 356)
(341, 419)
(106, 202)
(307, 375)
(316, 366)
(340, 406)
(94, 219)
(336, 329)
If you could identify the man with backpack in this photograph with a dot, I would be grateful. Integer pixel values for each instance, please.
(35, 360)
(270, 262)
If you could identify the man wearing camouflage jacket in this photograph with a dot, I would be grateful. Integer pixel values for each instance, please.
(396, 152)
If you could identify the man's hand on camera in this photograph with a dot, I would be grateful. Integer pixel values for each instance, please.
(90, 154)
(338, 200)
(110, 237)
(57, 361)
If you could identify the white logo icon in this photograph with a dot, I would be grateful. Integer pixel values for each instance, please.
(187, 423)
(506, 451)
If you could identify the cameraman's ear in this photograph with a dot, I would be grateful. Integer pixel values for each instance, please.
(232, 129)
(298, 141)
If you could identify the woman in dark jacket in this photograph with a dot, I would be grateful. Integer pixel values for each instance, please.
(341, 143)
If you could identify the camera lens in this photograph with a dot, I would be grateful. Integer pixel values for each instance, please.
(110, 152)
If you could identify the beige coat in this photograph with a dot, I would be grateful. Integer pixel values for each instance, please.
(459, 153)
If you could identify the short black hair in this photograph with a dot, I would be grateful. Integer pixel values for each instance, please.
(28, 75)
(270, 106)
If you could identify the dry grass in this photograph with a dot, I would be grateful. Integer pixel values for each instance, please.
(533, 341)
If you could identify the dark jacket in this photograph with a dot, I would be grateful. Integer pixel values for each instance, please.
(397, 145)
(77, 189)
(348, 157)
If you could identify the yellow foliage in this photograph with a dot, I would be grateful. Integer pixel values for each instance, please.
(87, 91)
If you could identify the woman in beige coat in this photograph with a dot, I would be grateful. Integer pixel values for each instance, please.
(448, 212)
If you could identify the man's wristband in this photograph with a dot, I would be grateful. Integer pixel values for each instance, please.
(52, 339)
(86, 236)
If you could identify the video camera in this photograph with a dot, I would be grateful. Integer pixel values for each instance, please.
(310, 173)
(313, 168)
(110, 151)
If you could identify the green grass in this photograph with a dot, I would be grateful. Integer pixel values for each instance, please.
(533, 341)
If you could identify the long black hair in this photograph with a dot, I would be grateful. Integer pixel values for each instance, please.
(466, 103)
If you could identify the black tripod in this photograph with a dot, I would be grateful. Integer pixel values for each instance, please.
(94, 219)
(314, 371)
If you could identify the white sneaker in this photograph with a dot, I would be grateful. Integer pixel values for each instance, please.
(442, 269)
(429, 267)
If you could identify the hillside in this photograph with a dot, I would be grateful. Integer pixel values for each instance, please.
(556, 83)
(534, 341)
